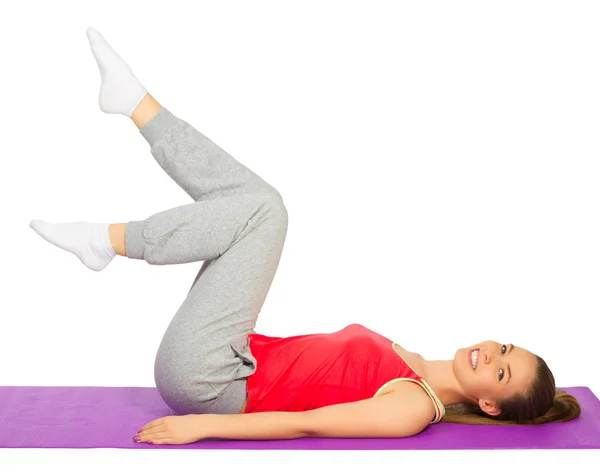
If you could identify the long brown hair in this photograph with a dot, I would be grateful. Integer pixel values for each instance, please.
(542, 403)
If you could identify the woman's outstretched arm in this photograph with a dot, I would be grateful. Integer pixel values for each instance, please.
(189, 428)
(394, 415)
(402, 413)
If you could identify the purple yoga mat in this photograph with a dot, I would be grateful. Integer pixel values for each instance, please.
(108, 417)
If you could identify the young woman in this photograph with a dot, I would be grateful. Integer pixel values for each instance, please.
(227, 381)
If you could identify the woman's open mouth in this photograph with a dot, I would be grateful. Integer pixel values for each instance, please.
(473, 358)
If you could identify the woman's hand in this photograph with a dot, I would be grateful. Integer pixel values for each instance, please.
(173, 430)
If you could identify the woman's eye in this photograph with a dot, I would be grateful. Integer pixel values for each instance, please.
(503, 349)
(501, 374)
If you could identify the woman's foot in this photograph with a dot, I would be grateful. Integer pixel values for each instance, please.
(120, 90)
(90, 242)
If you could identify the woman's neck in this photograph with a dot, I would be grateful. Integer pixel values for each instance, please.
(440, 376)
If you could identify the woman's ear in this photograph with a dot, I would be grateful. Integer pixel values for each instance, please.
(489, 407)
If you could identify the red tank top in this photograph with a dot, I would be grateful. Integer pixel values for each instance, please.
(306, 372)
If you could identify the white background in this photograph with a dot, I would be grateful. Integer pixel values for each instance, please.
(438, 160)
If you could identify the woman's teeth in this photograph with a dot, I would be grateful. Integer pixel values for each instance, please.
(474, 356)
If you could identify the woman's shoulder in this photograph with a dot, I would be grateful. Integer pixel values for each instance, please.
(412, 393)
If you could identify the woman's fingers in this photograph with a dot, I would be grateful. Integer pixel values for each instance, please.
(145, 436)
(152, 430)
(152, 424)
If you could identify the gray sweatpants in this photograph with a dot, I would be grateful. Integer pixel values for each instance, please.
(237, 225)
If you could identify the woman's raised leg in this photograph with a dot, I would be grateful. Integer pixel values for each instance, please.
(237, 225)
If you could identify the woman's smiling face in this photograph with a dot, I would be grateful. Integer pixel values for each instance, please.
(501, 370)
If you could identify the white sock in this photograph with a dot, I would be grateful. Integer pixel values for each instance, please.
(120, 90)
(88, 240)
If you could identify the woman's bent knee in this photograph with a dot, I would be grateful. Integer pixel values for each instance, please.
(186, 398)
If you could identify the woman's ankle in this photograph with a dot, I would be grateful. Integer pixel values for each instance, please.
(145, 111)
(116, 232)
